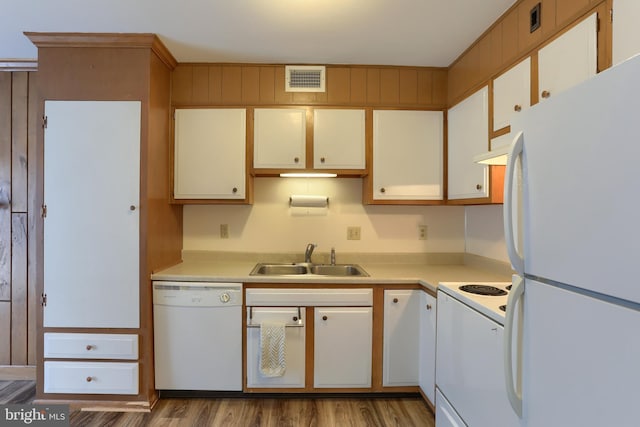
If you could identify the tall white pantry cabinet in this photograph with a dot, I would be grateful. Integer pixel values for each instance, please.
(103, 180)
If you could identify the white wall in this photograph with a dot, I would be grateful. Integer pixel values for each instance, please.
(484, 232)
(269, 225)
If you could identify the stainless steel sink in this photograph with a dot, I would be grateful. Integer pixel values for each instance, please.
(339, 270)
(278, 269)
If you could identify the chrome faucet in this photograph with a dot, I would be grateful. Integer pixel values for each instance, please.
(309, 251)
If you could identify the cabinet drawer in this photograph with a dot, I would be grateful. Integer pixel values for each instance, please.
(91, 346)
(91, 377)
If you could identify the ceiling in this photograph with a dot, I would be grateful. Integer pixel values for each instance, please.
(368, 32)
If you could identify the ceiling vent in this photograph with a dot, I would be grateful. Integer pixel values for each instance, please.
(304, 78)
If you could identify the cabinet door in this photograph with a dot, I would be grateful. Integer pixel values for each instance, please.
(569, 59)
(427, 377)
(401, 345)
(279, 138)
(626, 31)
(338, 139)
(511, 93)
(407, 155)
(210, 147)
(468, 132)
(342, 350)
(91, 230)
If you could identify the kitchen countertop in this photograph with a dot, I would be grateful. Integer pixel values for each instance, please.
(392, 269)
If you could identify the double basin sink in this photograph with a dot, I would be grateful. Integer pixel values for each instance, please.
(299, 269)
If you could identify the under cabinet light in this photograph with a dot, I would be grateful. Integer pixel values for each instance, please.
(308, 175)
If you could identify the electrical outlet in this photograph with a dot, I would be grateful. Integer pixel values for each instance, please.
(422, 232)
(224, 231)
(353, 233)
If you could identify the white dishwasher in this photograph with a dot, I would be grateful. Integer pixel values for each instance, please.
(198, 336)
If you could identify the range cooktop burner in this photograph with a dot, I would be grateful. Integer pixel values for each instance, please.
(483, 290)
(503, 307)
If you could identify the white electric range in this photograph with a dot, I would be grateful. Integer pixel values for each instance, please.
(485, 297)
(470, 381)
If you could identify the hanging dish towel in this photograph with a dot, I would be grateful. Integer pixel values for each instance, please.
(272, 349)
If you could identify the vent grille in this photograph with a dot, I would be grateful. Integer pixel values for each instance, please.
(301, 78)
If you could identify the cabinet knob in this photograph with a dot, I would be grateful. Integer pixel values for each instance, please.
(322, 159)
(132, 208)
(395, 300)
(545, 94)
(296, 159)
(324, 317)
(234, 190)
(517, 108)
(382, 190)
(90, 347)
(479, 187)
(89, 379)
(295, 318)
(428, 306)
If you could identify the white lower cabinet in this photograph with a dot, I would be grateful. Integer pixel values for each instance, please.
(427, 376)
(446, 416)
(401, 349)
(294, 375)
(342, 347)
(90, 377)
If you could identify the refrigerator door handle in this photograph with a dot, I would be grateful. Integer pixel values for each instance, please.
(513, 393)
(515, 151)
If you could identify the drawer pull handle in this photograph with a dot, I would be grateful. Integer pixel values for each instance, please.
(428, 306)
(322, 159)
(90, 347)
(234, 190)
(383, 190)
(479, 187)
(89, 379)
(296, 159)
(517, 108)
(395, 300)
(324, 317)
(546, 94)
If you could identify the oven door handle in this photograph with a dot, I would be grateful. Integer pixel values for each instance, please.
(514, 392)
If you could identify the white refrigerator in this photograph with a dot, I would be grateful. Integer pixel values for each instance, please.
(572, 192)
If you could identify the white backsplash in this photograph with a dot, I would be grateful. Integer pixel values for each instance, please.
(484, 232)
(270, 225)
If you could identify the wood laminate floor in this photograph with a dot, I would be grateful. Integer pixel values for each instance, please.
(244, 412)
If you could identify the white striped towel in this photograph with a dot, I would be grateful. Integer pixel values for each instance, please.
(272, 349)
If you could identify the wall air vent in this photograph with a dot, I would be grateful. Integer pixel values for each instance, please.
(304, 78)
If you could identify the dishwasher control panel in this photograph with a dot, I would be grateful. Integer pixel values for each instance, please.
(197, 294)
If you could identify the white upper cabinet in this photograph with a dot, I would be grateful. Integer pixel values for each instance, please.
(338, 139)
(210, 153)
(468, 132)
(279, 138)
(407, 155)
(511, 93)
(626, 31)
(569, 59)
(92, 226)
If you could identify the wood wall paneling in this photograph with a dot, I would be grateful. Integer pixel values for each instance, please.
(250, 85)
(568, 10)
(509, 37)
(425, 93)
(527, 39)
(408, 86)
(548, 23)
(5, 190)
(358, 94)
(19, 307)
(201, 82)
(373, 86)
(267, 85)
(389, 86)
(215, 85)
(231, 84)
(19, 142)
(181, 84)
(33, 213)
(282, 97)
(338, 85)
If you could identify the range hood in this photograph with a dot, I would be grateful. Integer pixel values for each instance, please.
(498, 153)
